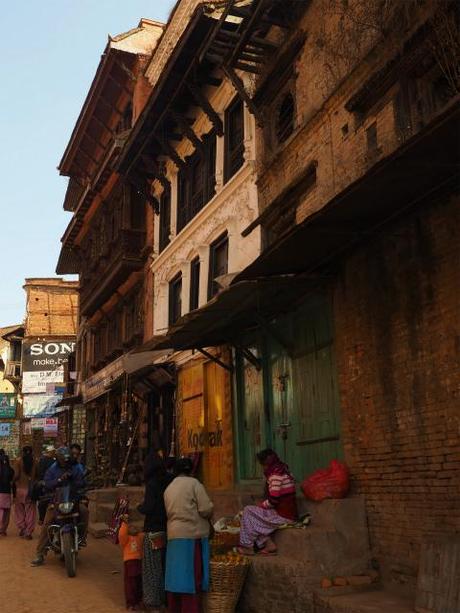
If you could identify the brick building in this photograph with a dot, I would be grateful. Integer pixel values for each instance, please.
(50, 331)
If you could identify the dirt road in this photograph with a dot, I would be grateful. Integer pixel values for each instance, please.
(97, 588)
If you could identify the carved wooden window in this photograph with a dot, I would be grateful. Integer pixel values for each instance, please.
(285, 118)
(165, 218)
(234, 139)
(218, 263)
(197, 182)
(194, 283)
(175, 299)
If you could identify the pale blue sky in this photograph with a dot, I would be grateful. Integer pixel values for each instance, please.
(49, 51)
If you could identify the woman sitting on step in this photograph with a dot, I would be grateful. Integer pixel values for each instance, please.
(278, 508)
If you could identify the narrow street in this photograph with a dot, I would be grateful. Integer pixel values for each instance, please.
(98, 586)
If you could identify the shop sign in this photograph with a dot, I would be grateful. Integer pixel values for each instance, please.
(43, 363)
(36, 382)
(99, 383)
(5, 429)
(46, 354)
(38, 423)
(40, 405)
(27, 428)
(50, 427)
(7, 405)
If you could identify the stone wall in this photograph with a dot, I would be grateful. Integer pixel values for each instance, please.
(397, 326)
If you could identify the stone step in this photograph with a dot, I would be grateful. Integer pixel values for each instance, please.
(380, 601)
(334, 553)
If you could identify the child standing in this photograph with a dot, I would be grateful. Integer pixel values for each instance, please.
(131, 540)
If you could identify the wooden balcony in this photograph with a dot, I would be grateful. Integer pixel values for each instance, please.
(104, 275)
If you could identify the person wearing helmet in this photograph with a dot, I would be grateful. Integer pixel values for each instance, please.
(60, 473)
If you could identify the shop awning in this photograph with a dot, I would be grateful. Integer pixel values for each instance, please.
(426, 164)
(232, 312)
(130, 363)
(69, 401)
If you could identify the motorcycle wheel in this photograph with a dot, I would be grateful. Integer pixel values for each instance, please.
(70, 557)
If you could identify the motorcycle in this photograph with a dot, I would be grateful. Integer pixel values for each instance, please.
(66, 532)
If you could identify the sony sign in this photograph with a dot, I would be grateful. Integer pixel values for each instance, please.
(43, 362)
(52, 348)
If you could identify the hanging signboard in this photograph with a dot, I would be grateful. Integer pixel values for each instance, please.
(5, 429)
(40, 405)
(43, 363)
(7, 405)
(38, 423)
(50, 427)
(27, 428)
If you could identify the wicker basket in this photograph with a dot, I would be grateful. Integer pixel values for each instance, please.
(226, 584)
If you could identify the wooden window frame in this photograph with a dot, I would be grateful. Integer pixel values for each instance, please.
(174, 307)
(190, 199)
(165, 219)
(195, 266)
(233, 154)
(221, 241)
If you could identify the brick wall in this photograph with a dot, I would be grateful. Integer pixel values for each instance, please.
(397, 309)
(52, 307)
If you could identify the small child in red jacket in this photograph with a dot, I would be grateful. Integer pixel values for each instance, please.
(131, 541)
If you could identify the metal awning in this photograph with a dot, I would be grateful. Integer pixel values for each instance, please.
(234, 311)
(426, 164)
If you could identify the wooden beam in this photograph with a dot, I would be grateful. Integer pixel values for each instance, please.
(139, 185)
(248, 67)
(171, 153)
(151, 165)
(213, 358)
(95, 142)
(245, 97)
(102, 124)
(110, 106)
(204, 103)
(255, 41)
(188, 131)
(120, 85)
(88, 156)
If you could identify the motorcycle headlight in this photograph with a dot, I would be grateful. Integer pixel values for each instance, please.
(66, 507)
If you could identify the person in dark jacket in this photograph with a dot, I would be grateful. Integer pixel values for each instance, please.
(157, 480)
(7, 490)
(45, 462)
(61, 473)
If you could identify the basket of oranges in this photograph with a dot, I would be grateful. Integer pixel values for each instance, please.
(227, 576)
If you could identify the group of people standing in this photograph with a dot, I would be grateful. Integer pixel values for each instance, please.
(169, 560)
(171, 555)
(19, 487)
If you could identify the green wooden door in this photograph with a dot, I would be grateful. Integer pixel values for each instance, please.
(303, 390)
(251, 418)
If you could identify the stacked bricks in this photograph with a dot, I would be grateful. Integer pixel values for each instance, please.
(397, 309)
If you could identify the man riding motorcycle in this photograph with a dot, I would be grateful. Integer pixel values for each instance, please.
(62, 472)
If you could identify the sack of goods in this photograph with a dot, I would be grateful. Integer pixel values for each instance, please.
(330, 482)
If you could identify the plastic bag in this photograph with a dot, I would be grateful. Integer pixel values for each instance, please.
(330, 482)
